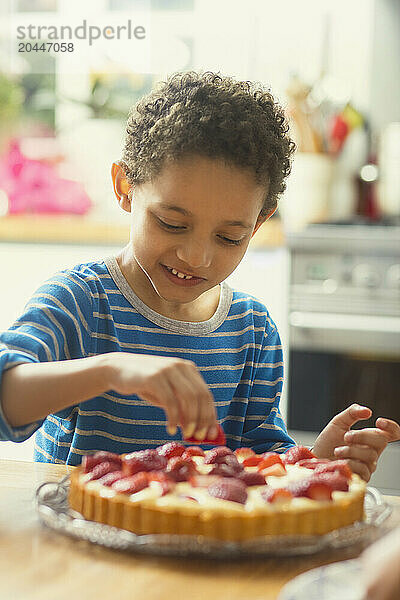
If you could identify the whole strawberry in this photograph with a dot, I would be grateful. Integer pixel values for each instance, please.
(251, 478)
(131, 485)
(101, 469)
(171, 449)
(216, 455)
(143, 460)
(229, 489)
(91, 460)
(180, 469)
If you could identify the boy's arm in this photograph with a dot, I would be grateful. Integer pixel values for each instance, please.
(264, 427)
(31, 391)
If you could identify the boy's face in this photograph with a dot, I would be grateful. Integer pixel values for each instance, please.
(195, 218)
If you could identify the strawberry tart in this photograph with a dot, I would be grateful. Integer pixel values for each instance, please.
(217, 493)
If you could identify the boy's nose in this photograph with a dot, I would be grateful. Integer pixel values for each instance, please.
(196, 255)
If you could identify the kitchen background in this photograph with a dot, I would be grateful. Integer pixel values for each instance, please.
(327, 266)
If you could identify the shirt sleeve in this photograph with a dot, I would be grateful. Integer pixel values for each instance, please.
(264, 428)
(55, 325)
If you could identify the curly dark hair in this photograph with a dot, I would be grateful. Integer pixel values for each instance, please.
(213, 116)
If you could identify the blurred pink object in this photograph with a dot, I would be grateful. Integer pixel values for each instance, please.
(32, 186)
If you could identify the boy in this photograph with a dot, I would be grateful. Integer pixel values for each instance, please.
(105, 350)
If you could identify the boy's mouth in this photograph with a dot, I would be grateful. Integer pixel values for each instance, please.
(181, 278)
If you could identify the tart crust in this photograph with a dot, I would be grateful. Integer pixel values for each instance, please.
(148, 517)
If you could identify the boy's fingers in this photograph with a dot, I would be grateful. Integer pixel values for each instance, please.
(390, 428)
(360, 469)
(363, 454)
(351, 415)
(372, 437)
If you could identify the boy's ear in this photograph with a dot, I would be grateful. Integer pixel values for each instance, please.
(121, 186)
(262, 218)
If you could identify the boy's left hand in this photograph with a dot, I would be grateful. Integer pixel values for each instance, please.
(361, 448)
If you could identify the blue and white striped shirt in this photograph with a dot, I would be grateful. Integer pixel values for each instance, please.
(91, 310)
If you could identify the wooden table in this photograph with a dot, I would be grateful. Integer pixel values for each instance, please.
(39, 564)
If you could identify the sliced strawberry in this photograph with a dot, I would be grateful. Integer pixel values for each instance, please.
(132, 484)
(340, 466)
(220, 440)
(293, 455)
(251, 478)
(269, 459)
(180, 469)
(252, 461)
(276, 470)
(310, 488)
(193, 451)
(91, 460)
(270, 494)
(102, 469)
(216, 455)
(110, 478)
(171, 449)
(312, 463)
(229, 489)
(335, 480)
(143, 460)
(165, 482)
(243, 453)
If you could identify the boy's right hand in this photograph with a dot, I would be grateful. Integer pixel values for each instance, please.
(174, 384)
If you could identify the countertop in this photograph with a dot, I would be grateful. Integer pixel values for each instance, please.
(40, 564)
(84, 230)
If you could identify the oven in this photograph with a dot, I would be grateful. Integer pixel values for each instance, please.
(344, 324)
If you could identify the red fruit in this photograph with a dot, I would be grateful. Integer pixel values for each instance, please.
(253, 478)
(312, 463)
(223, 471)
(339, 466)
(243, 453)
(216, 454)
(269, 459)
(269, 494)
(229, 489)
(231, 461)
(110, 478)
(91, 460)
(143, 460)
(220, 440)
(310, 488)
(293, 455)
(335, 480)
(193, 451)
(131, 485)
(102, 469)
(252, 461)
(276, 470)
(179, 469)
(203, 480)
(165, 482)
(171, 449)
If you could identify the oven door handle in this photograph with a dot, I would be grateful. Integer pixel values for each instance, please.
(337, 321)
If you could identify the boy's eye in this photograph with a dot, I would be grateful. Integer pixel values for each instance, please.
(230, 241)
(170, 227)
